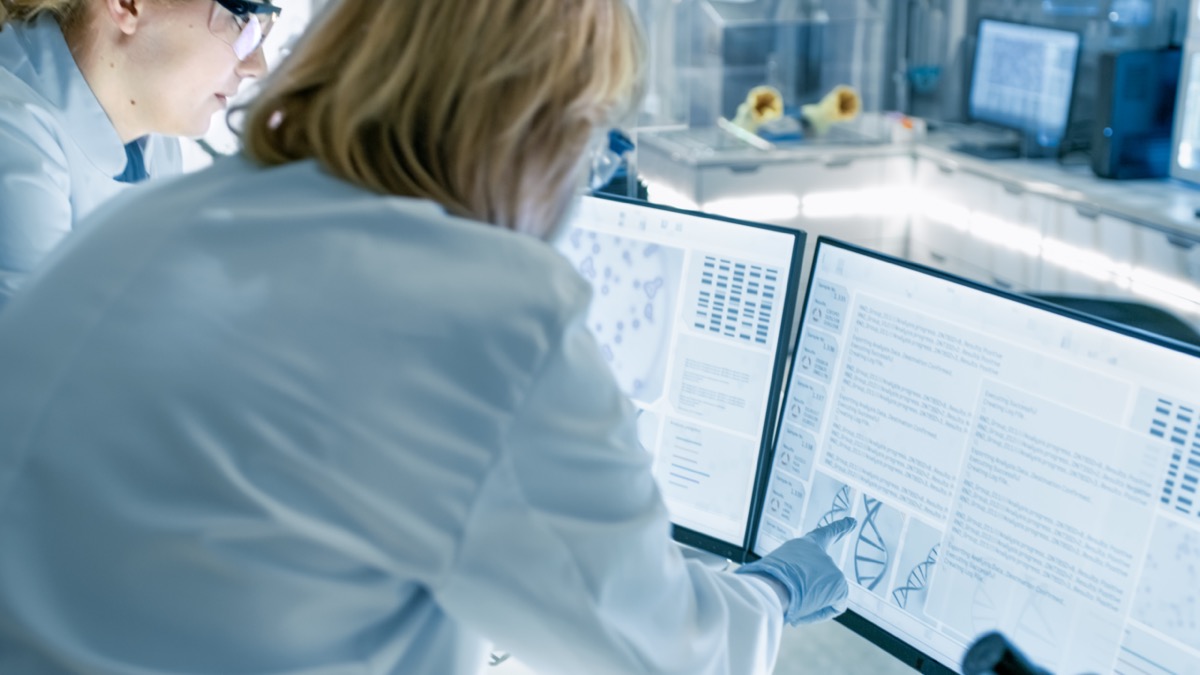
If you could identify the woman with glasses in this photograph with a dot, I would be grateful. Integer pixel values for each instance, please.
(92, 94)
(331, 406)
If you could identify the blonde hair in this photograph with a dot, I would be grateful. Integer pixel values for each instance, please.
(485, 107)
(65, 11)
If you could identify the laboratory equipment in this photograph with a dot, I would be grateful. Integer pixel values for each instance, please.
(691, 312)
(1135, 113)
(707, 55)
(993, 654)
(840, 105)
(1185, 155)
(1022, 78)
(1014, 466)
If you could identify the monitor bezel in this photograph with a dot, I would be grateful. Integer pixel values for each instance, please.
(875, 633)
(694, 538)
(1025, 133)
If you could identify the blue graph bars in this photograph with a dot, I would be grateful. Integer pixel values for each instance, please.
(736, 299)
(1177, 424)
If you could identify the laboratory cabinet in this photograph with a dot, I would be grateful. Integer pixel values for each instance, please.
(1024, 233)
(946, 202)
(834, 193)
(1023, 226)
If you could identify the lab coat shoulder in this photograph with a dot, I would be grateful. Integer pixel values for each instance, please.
(567, 560)
(35, 184)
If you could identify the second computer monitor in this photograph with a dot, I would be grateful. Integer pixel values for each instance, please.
(1013, 467)
(692, 312)
(1023, 78)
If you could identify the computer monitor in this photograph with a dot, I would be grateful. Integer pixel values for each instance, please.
(692, 312)
(1022, 79)
(1013, 467)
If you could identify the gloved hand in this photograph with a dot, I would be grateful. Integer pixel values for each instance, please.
(817, 589)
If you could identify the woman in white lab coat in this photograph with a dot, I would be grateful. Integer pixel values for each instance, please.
(92, 93)
(332, 406)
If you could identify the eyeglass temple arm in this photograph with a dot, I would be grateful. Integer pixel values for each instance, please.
(248, 7)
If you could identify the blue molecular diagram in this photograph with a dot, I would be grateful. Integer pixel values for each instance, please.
(634, 284)
(1168, 595)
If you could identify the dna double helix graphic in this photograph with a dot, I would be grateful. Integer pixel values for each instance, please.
(871, 554)
(917, 579)
(839, 508)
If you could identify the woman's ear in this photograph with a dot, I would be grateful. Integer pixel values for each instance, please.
(123, 14)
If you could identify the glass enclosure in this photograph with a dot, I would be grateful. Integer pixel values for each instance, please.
(706, 55)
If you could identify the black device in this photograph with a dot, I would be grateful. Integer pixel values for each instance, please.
(1135, 110)
(693, 314)
(1014, 466)
(1022, 79)
(993, 654)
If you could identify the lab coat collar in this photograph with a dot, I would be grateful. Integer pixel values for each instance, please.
(51, 71)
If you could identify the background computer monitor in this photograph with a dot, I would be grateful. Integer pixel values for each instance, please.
(1013, 467)
(691, 312)
(1022, 78)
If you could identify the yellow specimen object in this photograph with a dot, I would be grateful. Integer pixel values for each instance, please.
(840, 105)
(763, 104)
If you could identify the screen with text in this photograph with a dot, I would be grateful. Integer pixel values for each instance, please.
(1023, 77)
(689, 311)
(1011, 469)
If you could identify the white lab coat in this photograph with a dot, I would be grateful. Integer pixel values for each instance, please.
(59, 153)
(261, 421)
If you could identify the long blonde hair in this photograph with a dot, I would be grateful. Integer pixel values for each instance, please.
(65, 11)
(485, 107)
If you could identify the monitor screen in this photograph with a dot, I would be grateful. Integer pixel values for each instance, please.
(691, 312)
(1012, 467)
(1023, 77)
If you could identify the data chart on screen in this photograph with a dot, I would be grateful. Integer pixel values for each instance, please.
(1023, 78)
(689, 312)
(1011, 468)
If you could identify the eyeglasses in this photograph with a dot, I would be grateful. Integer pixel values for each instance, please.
(608, 158)
(242, 24)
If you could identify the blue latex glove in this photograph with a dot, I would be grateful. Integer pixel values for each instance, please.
(817, 589)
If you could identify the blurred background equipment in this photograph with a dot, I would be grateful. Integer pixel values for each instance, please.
(764, 103)
(840, 105)
(706, 54)
(1022, 78)
(1135, 108)
(1185, 155)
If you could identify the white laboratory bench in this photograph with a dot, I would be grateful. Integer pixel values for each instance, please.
(1025, 225)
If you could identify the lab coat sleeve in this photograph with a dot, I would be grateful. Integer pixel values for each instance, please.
(35, 203)
(567, 561)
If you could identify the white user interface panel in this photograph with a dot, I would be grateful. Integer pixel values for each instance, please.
(691, 313)
(1011, 469)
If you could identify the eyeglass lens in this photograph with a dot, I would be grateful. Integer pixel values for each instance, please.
(244, 33)
(249, 39)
